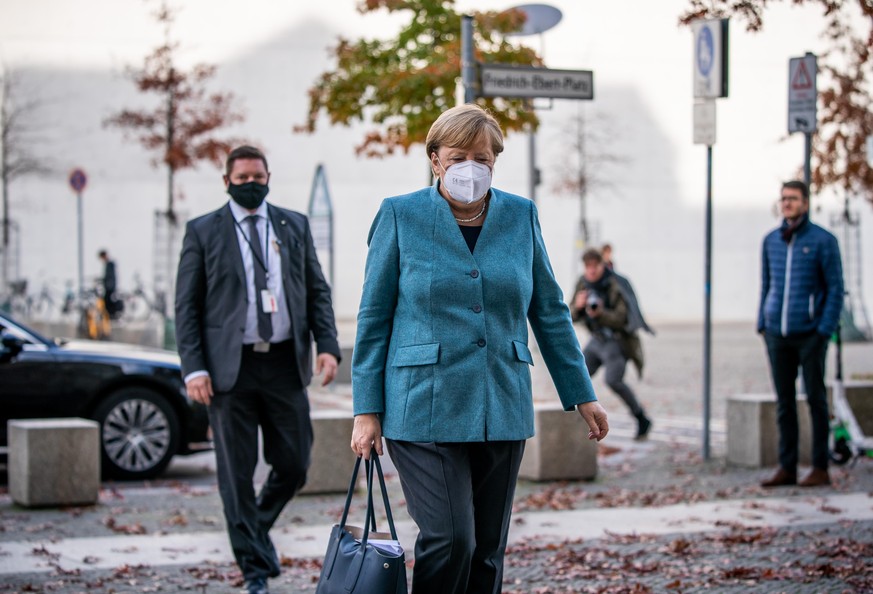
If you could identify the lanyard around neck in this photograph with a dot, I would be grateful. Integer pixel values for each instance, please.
(264, 264)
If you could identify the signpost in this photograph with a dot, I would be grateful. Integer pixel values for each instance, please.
(870, 150)
(710, 83)
(321, 217)
(499, 80)
(522, 82)
(704, 122)
(802, 98)
(710, 58)
(78, 180)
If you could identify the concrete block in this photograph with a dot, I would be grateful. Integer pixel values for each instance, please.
(54, 462)
(560, 450)
(344, 371)
(860, 396)
(332, 457)
(753, 434)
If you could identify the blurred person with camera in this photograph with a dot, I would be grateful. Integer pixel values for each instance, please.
(603, 306)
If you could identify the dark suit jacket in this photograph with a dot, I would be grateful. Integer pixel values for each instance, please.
(109, 282)
(211, 295)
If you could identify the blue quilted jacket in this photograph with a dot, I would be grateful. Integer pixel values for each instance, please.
(801, 283)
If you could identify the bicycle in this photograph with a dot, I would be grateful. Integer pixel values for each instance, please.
(43, 306)
(94, 319)
(17, 303)
(138, 306)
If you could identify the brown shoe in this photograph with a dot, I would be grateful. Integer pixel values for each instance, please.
(817, 477)
(780, 478)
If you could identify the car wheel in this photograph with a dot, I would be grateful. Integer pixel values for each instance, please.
(139, 433)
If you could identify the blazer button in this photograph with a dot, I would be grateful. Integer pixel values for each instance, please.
(481, 342)
(474, 273)
(477, 308)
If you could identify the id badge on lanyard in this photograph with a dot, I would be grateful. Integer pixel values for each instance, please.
(268, 302)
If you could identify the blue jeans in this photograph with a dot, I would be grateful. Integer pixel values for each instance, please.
(787, 353)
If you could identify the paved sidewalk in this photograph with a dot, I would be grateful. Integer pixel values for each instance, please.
(657, 519)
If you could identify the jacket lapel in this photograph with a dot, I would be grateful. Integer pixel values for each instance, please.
(228, 236)
(290, 249)
(446, 232)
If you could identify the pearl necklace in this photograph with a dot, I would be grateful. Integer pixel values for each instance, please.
(470, 220)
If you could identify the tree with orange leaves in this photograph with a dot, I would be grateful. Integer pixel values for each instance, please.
(179, 130)
(845, 117)
(402, 85)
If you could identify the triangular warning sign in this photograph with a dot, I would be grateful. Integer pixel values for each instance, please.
(801, 80)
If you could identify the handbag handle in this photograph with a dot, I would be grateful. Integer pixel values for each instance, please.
(370, 517)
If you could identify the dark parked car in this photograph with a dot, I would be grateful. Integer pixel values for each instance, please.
(135, 393)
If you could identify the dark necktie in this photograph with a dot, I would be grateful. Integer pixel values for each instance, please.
(265, 321)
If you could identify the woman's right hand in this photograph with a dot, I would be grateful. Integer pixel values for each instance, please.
(366, 434)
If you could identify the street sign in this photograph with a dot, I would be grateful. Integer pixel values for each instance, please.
(500, 80)
(538, 18)
(710, 58)
(704, 122)
(321, 217)
(78, 180)
(802, 94)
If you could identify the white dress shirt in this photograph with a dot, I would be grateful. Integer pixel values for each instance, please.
(270, 248)
(281, 318)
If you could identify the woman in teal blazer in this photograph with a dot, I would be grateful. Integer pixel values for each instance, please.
(441, 363)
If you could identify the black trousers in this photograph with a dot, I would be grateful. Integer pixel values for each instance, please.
(786, 355)
(460, 496)
(268, 394)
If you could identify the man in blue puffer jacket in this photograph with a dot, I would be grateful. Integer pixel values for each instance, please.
(801, 300)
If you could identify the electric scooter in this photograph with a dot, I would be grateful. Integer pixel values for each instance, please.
(847, 438)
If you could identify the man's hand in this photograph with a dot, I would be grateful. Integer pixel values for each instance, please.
(327, 363)
(593, 312)
(366, 434)
(595, 417)
(580, 300)
(200, 389)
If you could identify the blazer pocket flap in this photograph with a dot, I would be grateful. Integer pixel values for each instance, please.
(522, 352)
(417, 354)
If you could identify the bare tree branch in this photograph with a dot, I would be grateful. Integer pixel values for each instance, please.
(180, 130)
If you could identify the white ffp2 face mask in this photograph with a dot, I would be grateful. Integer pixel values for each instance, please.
(467, 182)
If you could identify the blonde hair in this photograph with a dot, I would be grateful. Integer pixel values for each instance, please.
(461, 126)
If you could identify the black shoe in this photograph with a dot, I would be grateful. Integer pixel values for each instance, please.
(645, 423)
(257, 586)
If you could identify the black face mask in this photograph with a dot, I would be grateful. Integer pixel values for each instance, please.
(249, 195)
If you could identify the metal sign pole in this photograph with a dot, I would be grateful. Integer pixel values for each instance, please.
(468, 68)
(78, 180)
(802, 101)
(707, 309)
(807, 159)
(533, 174)
(710, 82)
(81, 247)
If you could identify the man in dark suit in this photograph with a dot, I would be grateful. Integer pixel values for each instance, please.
(250, 298)
(113, 305)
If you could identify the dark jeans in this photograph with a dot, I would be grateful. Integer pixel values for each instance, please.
(460, 496)
(786, 355)
(268, 394)
(607, 352)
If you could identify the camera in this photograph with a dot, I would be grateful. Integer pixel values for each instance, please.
(594, 302)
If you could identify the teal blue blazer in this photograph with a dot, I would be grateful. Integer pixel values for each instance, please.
(441, 351)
